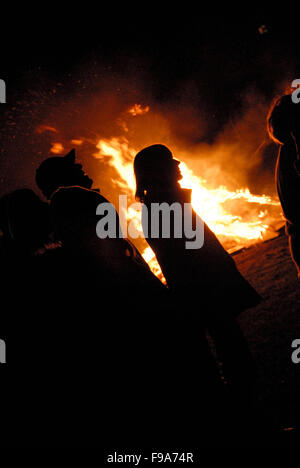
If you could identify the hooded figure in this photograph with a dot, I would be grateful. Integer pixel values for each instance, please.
(206, 282)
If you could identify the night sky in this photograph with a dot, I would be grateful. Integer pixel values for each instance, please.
(206, 71)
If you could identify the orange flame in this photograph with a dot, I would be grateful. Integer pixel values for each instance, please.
(238, 217)
(137, 109)
(210, 204)
(57, 148)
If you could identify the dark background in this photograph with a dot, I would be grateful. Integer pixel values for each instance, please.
(202, 66)
(224, 53)
(55, 62)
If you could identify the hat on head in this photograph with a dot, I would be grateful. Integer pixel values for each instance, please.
(54, 172)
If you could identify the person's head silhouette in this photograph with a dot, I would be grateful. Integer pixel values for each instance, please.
(155, 168)
(58, 172)
(283, 121)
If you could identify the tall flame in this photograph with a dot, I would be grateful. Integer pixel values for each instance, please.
(238, 217)
(210, 204)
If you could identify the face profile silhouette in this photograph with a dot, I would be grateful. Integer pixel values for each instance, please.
(155, 168)
(58, 172)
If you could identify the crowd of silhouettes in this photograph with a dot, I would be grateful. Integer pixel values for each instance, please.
(139, 353)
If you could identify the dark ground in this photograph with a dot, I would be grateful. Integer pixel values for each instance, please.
(270, 329)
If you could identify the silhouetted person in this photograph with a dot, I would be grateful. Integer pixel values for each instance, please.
(24, 221)
(206, 281)
(283, 124)
(64, 171)
(108, 281)
(74, 216)
(27, 274)
(26, 227)
(74, 205)
(60, 171)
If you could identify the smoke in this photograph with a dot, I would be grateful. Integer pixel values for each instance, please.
(94, 103)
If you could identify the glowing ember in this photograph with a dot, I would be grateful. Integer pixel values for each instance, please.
(46, 128)
(137, 109)
(57, 148)
(76, 142)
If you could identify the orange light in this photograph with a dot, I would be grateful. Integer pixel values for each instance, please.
(57, 148)
(255, 224)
